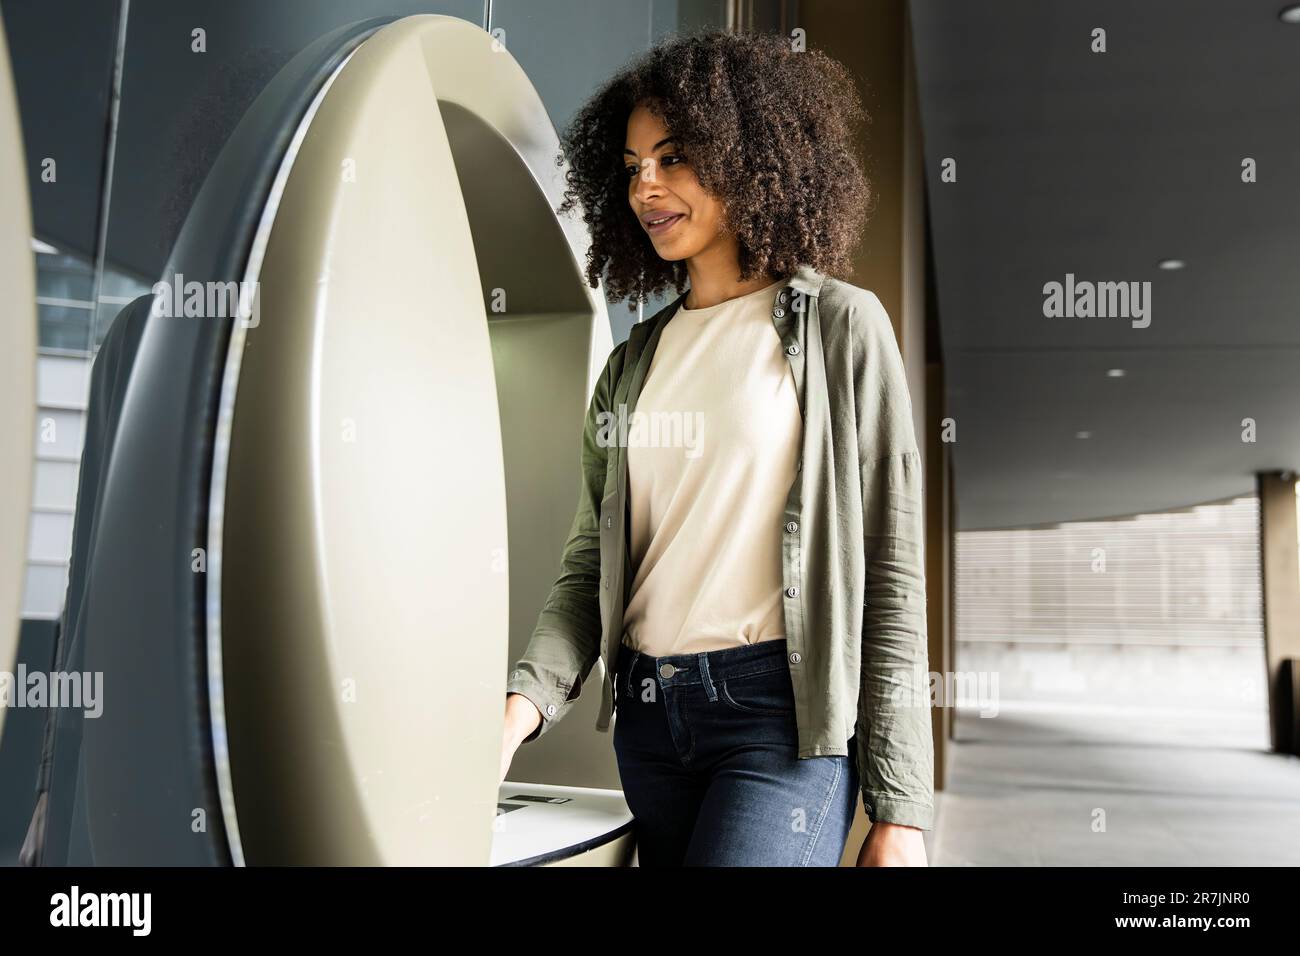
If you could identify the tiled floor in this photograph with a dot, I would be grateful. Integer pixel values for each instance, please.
(1055, 786)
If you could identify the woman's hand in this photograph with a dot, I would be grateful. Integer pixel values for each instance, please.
(892, 844)
(522, 718)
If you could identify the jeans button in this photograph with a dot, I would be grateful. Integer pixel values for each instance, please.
(667, 670)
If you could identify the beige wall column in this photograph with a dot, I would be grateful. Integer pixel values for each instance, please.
(1280, 568)
(950, 602)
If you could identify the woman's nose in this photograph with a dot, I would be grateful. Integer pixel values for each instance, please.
(647, 181)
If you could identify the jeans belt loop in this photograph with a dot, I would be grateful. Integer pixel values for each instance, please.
(631, 667)
(705, 679)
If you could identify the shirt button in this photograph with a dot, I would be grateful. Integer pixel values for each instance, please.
(606, 582)
(792, 526)
(783, 297)
(792, 592)
(779, 313)
(795, 658)
(792, 349)
(550, 710)
(667, 670)
(609, 522)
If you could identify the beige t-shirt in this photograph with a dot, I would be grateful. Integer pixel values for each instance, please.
(712, 450)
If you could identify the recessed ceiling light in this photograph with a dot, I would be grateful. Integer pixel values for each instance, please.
(1290, 14)
(1171, 263)
(1115, 372)
(1083, 434)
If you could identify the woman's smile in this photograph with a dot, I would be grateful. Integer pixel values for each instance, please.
(662, 224)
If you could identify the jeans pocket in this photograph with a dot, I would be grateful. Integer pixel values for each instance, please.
(769, 694)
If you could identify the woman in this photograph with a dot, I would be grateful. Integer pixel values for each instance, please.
(770, 605)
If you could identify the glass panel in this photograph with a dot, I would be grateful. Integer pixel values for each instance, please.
(64, 286)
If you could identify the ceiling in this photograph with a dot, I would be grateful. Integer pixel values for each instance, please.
(1101, 165)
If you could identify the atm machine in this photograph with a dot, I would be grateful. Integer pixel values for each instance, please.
(333, 506)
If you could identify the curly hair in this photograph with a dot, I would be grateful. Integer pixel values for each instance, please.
(768, 131)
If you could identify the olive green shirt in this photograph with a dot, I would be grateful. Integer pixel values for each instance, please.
(853, 564)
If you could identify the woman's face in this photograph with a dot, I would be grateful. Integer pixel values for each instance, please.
(661, 184)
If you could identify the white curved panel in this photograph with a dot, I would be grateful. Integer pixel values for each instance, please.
(17, 365)
(384, 428)
(362, 611)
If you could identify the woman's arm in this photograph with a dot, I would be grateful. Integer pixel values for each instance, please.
(566, 640)
(895, 746)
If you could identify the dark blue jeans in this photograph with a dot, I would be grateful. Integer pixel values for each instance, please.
(707, 750)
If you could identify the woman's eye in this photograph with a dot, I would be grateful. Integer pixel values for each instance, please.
(670, 160)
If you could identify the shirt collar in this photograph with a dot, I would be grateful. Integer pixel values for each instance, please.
(806, 279)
